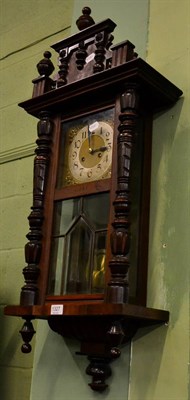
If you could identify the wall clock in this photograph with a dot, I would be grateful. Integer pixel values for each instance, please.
(87, 249)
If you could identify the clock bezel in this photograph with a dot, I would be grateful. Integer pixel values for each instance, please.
(70, 131)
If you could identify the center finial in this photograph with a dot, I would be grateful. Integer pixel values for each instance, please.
(85, 20)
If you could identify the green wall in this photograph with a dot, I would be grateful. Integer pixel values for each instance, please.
(131, 17)
(27, 28)
(155, 366)
(160, 360)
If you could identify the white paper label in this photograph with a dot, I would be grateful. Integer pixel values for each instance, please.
(93, 126)
(56, 309)
(89, 58)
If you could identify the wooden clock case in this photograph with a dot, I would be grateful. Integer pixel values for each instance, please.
(94, 75)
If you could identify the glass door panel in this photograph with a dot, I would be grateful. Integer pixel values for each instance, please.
(79, 245)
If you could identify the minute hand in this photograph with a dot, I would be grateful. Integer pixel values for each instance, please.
(89, 139)
(103, 148)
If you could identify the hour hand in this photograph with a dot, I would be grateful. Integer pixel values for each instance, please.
(102, 148)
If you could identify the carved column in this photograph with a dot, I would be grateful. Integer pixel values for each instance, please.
(81, 55)
(29, 292)
(64, 55)
(117, 290)
(103, 41)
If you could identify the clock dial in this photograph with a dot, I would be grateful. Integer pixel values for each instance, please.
(86, 153)
(90, 152)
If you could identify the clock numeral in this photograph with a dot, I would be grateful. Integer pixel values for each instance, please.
(75, 165)
(106, 158)
(74, 154)
(89, 173)
(83, 135)
(107, 135)
(77, 144)
(99, 166)
(109, 145)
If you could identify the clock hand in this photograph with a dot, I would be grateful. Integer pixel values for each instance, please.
(89, 141)
(102, 148)
(91, 130)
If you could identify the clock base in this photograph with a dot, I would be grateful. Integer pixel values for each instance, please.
(99, 327)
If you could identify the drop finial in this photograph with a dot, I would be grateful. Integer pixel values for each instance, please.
(85, 20)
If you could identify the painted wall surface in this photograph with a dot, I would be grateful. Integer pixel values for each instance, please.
(160, 359)
(25, 32)
(131, 17)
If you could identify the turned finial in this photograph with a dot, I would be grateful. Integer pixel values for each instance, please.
(45, 66)
(85, 20)
(27, 333)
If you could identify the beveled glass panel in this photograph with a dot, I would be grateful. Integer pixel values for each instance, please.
(99, 259)
(97, 210)
(77, 262)
(64, 213)
(57, 256)
(78, 245)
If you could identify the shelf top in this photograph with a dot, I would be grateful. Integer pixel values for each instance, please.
(89, 309)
